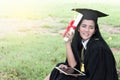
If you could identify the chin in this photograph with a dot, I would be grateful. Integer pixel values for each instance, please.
(85, 39)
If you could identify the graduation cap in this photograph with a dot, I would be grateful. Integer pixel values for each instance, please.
(90, 14)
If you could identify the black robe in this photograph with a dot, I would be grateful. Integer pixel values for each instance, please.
(99, 63)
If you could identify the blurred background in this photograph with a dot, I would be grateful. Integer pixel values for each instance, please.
(30, 34)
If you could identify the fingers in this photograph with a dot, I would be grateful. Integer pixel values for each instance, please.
(69, 36)
(63, 66)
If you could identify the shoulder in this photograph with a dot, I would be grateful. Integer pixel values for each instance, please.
(97, 45)
(96, 42)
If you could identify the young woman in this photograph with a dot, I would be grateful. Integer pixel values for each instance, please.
(87, 51)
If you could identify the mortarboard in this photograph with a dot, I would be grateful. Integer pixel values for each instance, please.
(90, 14)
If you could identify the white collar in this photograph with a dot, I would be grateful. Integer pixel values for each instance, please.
(85, 43)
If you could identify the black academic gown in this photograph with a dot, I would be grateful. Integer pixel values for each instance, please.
(99, 62)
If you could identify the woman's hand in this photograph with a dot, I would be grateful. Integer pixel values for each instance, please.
(63, 66)
(69, 36)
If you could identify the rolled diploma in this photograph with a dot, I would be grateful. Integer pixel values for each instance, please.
(77, 20)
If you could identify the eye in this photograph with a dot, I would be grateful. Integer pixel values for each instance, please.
(92, 27)
(83, 25)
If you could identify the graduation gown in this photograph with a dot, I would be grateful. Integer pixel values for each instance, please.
(98, 60)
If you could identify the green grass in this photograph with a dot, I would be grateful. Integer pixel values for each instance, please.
(112, 39)
(32, 56)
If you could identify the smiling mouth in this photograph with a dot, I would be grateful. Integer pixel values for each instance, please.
(85, 34)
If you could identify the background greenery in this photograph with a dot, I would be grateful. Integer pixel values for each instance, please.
(32, 56)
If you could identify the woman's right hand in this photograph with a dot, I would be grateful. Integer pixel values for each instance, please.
(69, 36)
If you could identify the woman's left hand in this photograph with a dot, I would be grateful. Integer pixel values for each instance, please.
(63, 66)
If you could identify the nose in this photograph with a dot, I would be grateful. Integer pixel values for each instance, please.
(87, 29)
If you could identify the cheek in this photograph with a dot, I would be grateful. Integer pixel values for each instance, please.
(92, 32)
(80, 29)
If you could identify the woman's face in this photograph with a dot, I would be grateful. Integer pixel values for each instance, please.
(87, 29)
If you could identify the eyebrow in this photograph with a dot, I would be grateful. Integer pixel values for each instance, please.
(89, 25)
(83, 24)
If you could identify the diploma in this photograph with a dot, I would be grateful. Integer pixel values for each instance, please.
(72, 26)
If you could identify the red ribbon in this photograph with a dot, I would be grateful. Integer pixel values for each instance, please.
(69, 26)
